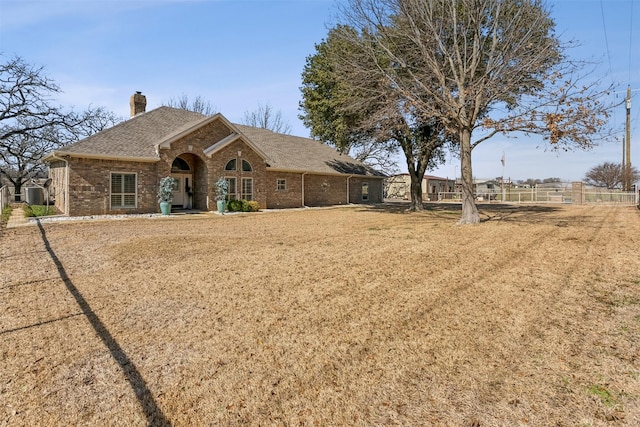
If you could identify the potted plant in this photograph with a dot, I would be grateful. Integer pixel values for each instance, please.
(222, 189)
(165, 194)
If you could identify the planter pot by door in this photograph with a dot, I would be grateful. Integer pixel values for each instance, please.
(221, 206)
(165, 208)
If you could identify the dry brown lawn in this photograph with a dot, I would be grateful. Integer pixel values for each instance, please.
(358, 316)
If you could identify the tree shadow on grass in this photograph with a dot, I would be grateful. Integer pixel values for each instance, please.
(153, 413)
(488, 211)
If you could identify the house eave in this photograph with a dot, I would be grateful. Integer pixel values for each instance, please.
(235, 134)
(210, 151)
(167, 142)
(307, 172)
(65, 154)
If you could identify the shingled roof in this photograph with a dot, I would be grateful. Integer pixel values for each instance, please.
(294, 153)
(137, 139)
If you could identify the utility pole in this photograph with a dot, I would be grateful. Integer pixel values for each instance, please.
(626, 169)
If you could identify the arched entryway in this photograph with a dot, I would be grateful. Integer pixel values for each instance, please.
(181, 170)
(190, 172)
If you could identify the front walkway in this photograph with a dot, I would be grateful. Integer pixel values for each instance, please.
(17, 218)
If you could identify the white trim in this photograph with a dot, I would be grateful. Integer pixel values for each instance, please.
(210, 151)
(242, 193)
(135, 204)
(235, 187)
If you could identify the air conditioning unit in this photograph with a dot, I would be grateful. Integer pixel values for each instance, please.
(34, 195)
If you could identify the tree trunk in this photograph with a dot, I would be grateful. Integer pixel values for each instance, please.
(416, 192)
(470, 213)
(17, 189)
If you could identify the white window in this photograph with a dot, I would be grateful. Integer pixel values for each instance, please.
(232, 188)
(246, 166)
(247, 189)
(281, 184)
(123, 190)
(365, 191)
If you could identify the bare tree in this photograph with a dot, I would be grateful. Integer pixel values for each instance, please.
(31, 125)
(609, 175)
(265, 117)
(481, 67)
(198, 105)
(347, 105)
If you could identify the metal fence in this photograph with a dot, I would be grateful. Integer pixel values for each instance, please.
(552, 195)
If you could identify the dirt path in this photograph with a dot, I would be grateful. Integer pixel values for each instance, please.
(349, 316)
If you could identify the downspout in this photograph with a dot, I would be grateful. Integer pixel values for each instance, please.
(303, 174)
(349, 189)
(66, 182)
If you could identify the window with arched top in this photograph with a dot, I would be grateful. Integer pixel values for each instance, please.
(180, 165)
(246, 166)
(231, 165)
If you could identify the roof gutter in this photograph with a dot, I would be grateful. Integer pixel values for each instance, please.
(303, 205)
(306, 172)
(59, 154)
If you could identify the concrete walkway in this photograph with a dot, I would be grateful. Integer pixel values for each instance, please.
(17, 218)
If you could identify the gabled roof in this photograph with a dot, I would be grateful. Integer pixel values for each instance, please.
(135, 138)
(141, 137)
(294, 153)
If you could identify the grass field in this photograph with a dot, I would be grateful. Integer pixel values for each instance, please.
(352, 316)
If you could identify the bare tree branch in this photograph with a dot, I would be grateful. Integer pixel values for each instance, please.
(31, 125)
(198, 105)
(265, 117)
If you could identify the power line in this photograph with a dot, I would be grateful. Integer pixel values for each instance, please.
(630, 36)
(606, 39)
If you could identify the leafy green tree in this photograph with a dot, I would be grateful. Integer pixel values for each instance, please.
(31, 125)
(343, 108)
(480, 68)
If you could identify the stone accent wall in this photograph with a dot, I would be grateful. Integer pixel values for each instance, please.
(291, 197)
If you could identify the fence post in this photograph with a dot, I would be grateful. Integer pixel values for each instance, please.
(577, 193)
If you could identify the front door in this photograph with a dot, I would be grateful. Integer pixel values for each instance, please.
(182, 190)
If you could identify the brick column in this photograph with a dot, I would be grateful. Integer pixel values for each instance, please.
(577, 193)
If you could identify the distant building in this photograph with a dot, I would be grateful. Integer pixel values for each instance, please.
(399, 187)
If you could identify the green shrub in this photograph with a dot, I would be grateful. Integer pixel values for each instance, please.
(250, 206)
(234, 205)
(243, 206)
(6, 213)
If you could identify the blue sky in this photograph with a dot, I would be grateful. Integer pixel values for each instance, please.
(240, 53)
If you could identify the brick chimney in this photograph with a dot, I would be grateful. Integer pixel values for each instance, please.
(138, 103)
